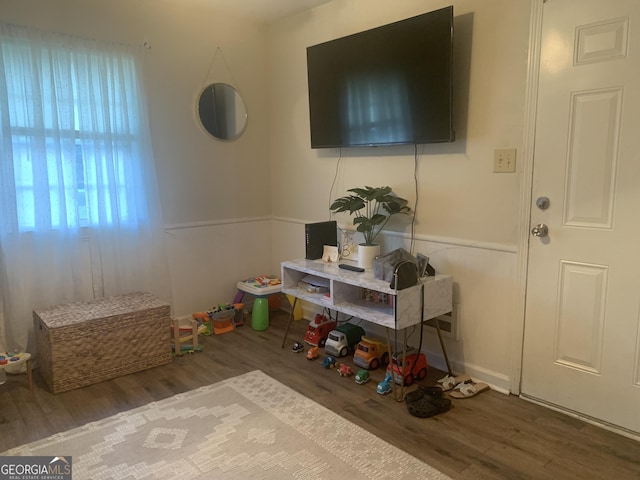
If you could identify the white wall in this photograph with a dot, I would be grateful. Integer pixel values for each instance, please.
(215, 194)
(467, 216)
(235, 209)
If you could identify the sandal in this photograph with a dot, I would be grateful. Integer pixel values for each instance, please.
(449, 383)
(423, 405)
(468, 389)
(420, 392)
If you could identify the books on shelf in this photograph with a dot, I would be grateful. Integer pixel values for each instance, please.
(373, 296)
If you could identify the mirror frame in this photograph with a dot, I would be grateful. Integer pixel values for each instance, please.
(212, 122)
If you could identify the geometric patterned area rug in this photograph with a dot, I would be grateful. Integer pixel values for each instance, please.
(250, 426)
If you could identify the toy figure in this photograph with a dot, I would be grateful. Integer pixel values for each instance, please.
(384, 386)
(362, 377)
(329, 362)
(313, 353)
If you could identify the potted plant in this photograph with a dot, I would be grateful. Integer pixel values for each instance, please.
(371, 208)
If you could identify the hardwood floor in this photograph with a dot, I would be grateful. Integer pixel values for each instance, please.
(491, 436)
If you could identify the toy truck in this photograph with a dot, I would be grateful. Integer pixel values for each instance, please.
(345, 370)
(343, 339)
(318, 330)
(313, 353)
(329, 362)
(362, 377)
(370, 353)
(385, 386)
(415, 366)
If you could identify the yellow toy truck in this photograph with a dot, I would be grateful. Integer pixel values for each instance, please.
(370, 353)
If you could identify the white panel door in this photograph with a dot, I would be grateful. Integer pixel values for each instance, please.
(582, 340)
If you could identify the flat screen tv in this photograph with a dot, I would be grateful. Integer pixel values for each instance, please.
(390, 85)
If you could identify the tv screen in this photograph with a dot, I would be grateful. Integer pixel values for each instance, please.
(390, 85)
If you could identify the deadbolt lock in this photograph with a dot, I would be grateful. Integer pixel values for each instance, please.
(543, 203)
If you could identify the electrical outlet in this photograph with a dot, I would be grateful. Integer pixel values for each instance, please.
(504, 160)
(448, 322)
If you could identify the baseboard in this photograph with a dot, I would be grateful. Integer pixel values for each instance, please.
(497, 381)
(585, 418)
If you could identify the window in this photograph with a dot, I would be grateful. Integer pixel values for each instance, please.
(80, 214)
(72, 115)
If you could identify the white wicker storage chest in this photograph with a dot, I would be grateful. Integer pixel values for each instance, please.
(83, 343)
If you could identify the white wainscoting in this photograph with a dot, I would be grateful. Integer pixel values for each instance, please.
(207, 260)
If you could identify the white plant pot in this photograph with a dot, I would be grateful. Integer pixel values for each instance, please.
(366, 255)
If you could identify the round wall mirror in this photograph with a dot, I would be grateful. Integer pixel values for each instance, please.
(221, 111)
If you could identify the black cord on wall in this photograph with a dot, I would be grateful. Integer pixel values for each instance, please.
(415, 206)
(335, 177)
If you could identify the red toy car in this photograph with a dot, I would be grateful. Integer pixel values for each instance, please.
(318, 330)
(345, 370)
(415, 366)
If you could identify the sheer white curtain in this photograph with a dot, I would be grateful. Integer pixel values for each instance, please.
(80, 215)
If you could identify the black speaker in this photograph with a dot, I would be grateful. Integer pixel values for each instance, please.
(317, 235)
(405, 275)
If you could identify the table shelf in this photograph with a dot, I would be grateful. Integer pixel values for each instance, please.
(346, 292)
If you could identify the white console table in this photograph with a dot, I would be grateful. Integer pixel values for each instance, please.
(430, 298)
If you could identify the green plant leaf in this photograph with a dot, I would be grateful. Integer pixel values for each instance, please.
(350, 203)
(371, 207)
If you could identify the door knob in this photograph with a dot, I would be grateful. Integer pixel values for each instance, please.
(540, 230)
(543, 203)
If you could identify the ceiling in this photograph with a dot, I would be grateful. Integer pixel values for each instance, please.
(266, 11)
